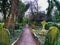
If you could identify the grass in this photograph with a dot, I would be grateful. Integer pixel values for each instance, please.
(17, 34)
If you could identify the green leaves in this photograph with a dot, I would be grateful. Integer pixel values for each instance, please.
(22, 9)
(1, 25)
(25, 20)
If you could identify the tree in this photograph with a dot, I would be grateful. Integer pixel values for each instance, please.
(57, 4)
(34, 7)
(5, 7)
(22, 9)
(36, 15)
(38, 18)
(0, 4)
(49, 10)
(13, 15)
(52, 4)
(57, 12)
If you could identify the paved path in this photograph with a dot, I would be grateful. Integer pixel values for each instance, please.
(26, 39)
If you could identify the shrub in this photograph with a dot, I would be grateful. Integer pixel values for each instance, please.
(49, 24)
(1, 25)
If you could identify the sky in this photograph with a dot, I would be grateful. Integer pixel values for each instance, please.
(1, 16)
(43, 4)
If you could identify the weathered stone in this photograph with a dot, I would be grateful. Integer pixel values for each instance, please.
(52, 36)
(43, 31)
(4, 37)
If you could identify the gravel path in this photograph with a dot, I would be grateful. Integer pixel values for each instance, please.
(26, 39)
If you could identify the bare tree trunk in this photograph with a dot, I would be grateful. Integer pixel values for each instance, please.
(13, 14)
(4, 5)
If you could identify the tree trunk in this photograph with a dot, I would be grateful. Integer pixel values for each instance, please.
(4, 9)
(13, 14)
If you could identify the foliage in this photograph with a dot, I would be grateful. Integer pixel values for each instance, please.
(57, 4)
(1, 25)
(5, 7)
(25, 20)
(38, 18)
(22, 9)
(0, 4)
(52, 4)
(50, 7)
(57, 15)
(17, 26)
(58, 24)
(49, 24)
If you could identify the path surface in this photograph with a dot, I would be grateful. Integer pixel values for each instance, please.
(26, 39)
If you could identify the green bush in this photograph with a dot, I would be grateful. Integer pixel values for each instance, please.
(17, 26)
(49, 24)
(1, 25)
(58, 24)
(25, 20)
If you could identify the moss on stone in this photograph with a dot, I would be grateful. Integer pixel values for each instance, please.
(4, 36)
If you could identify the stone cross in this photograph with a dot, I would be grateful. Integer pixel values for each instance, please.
(43, 24)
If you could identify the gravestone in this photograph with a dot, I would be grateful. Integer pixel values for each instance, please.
(52, 36)
(4, 36)
(43, 31)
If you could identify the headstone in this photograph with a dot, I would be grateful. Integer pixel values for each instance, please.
(43, 31)
(52, 36)
(4, 36)
(43, 24)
